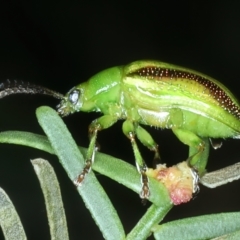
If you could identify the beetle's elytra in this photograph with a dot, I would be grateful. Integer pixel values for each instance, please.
(211, 88)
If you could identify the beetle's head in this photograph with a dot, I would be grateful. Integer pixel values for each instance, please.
(76, 100)
(70, 103)
(94, 94)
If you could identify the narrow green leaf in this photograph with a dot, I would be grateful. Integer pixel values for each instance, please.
(203, 227)
(152, 217)
(126, 174)
(53, 200)
(27, 139)
(9, 220)
(70, 157)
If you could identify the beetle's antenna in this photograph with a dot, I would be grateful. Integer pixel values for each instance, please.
(15, 87)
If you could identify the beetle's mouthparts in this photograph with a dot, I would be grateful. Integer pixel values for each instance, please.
(62, 109)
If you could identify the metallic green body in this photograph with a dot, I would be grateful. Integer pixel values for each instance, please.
(184, 105)
(175, 103)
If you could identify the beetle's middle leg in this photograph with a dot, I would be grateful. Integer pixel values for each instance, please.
(147, 140)
(130, 130)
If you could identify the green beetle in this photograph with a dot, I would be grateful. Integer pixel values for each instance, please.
(195, 106)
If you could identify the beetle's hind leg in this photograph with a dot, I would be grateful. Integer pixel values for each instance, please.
(198, 149)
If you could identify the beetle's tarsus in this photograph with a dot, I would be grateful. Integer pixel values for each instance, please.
(88, 166)
(145, 192)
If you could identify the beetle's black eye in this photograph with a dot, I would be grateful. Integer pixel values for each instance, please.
(73, 96)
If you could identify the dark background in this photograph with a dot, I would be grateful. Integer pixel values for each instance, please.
(59, 44)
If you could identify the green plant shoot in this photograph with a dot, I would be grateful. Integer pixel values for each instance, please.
(194, 106)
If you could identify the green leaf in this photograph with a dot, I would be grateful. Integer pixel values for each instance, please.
(152, 217)
(114, 168)
(203, 227)
(70, 157)
(27, 139)
(125, 174)
(53, 199)
(9, 219)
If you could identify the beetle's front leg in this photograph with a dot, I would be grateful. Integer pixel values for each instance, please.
(129, 130)
(198, 149)
(101, 123)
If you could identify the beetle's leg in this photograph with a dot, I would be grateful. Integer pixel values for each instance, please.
(198, 149)
(129, 131)
(101, 123)
(147, 140)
